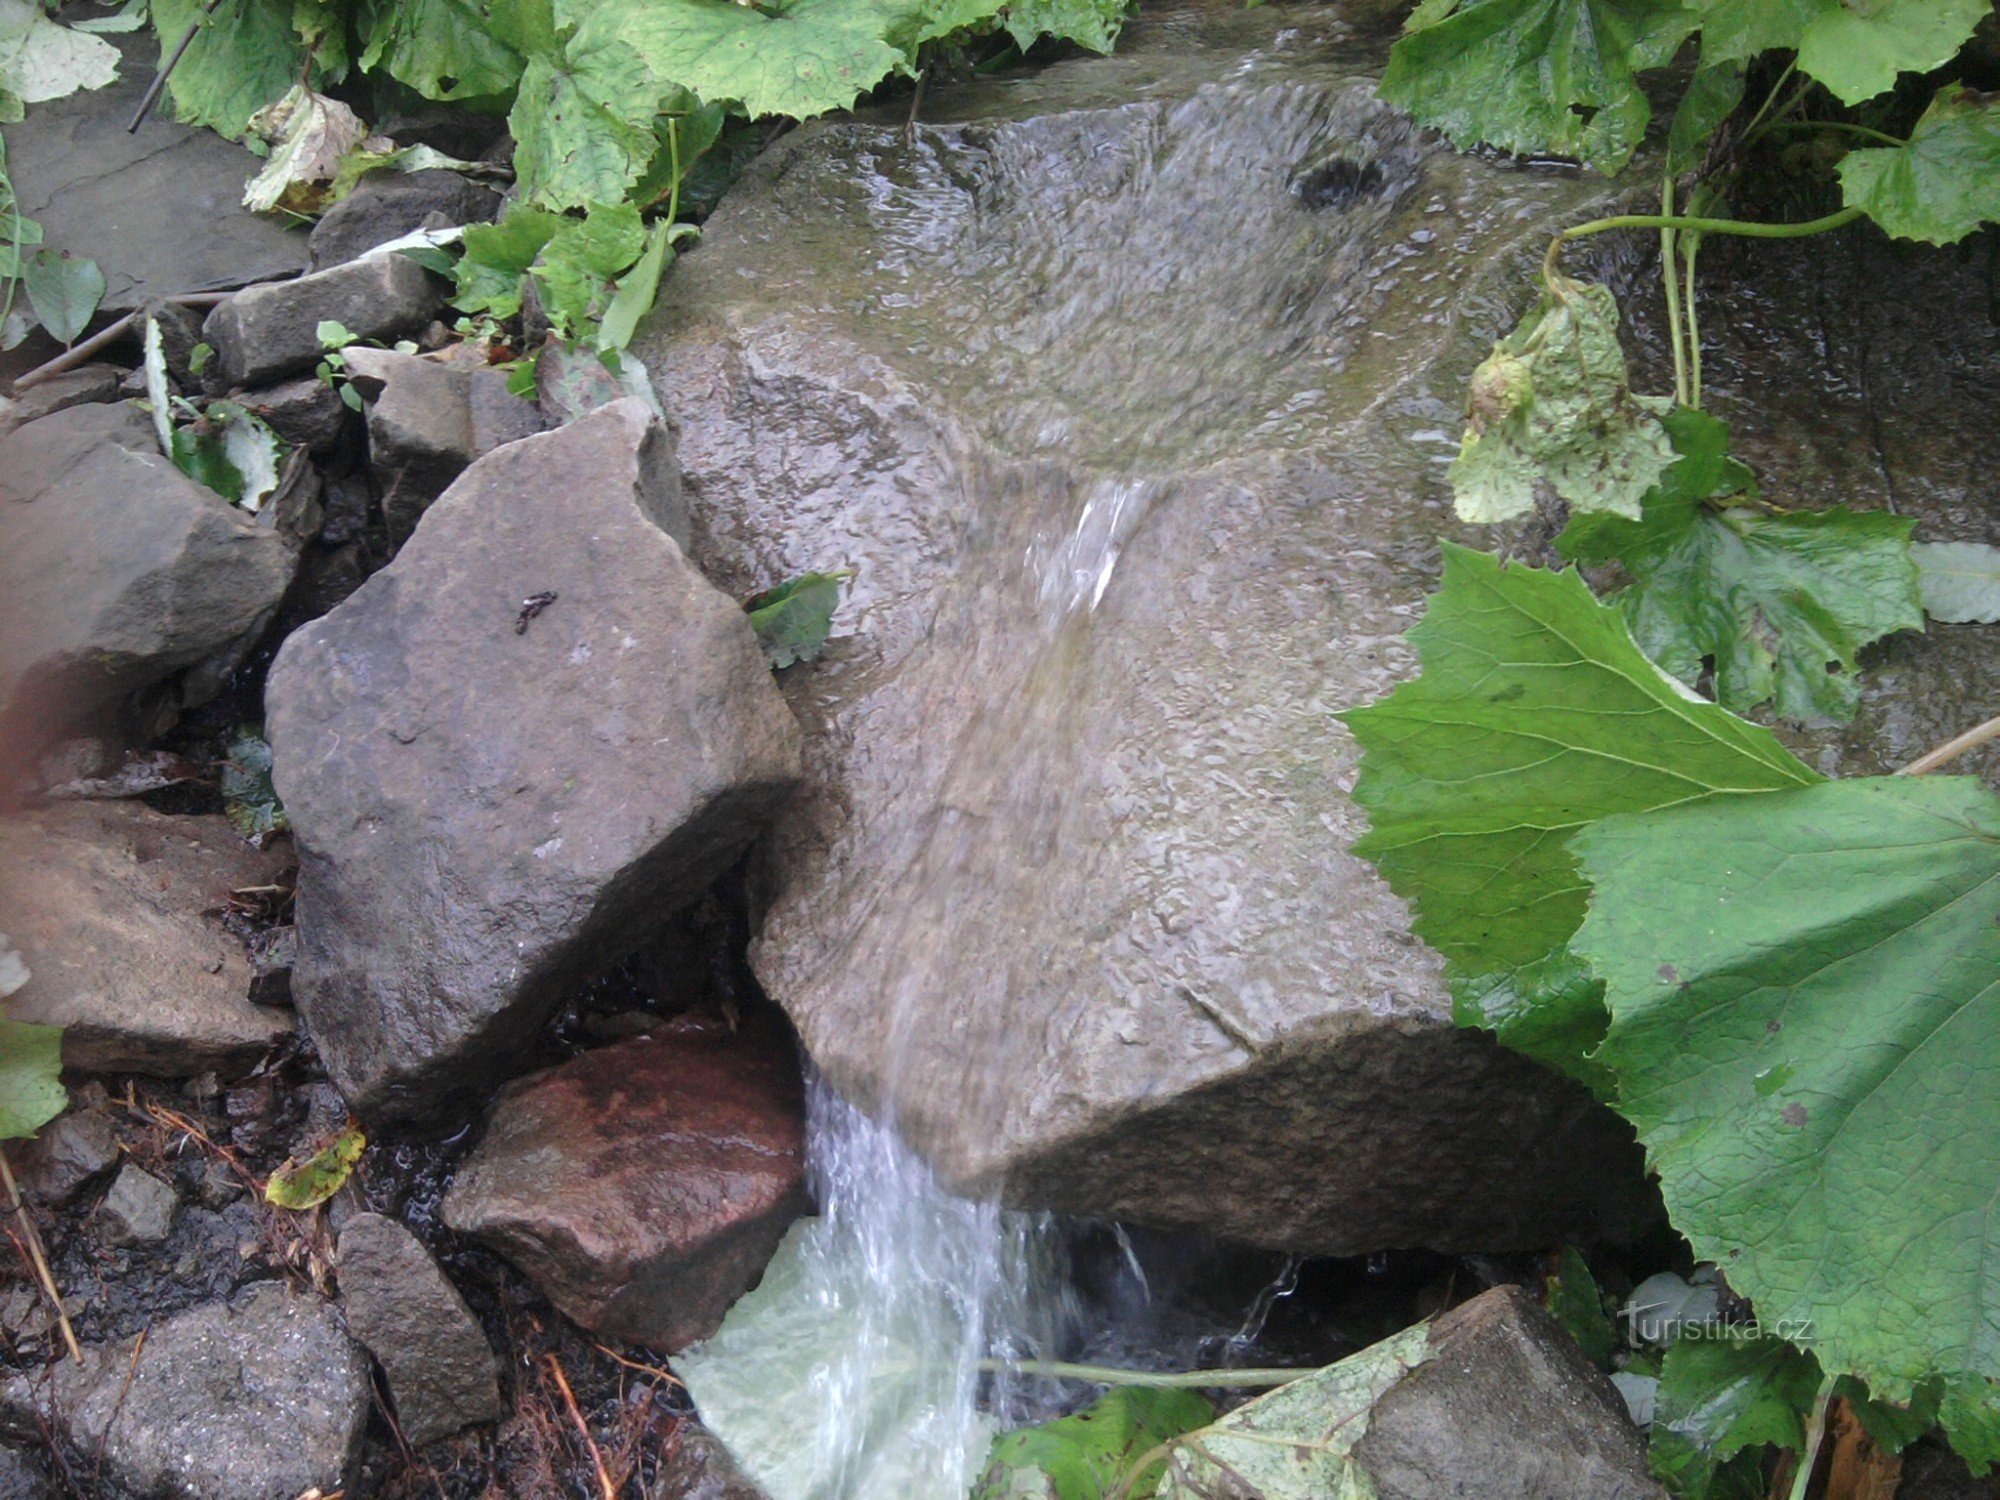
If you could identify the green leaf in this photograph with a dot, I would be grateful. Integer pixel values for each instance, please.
(1553, 401)
(1711, 98)
(1779, 603)
(1550, 1009)
(802, 58)
(233, 452)
(575, 269)
(31, 1091)
(1892, 1427)
(1959, 582)
(575, 143)
(1944, 183)
(497, 256)
(248, 797)
(40, 60)
(1856, 49)
(1086, 1455)
(300, 1185)
(245, 56)
(1573, 1300)
(444, 49)
(1555, 77)
(1970, 1414)
(793, 620)
(1534, 716)
(1089, 23)
(1805, 999)
(636, 290)
(1297, 1442)
(64, 291)
(1737, 30)
(1722, 1393)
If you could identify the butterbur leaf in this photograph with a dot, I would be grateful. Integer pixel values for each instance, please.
(300, 1185)
(1555, 77)
(1959, 582)
(310, 136)
(1969, 1411)
(248, 797)
(1804, 991)
(1779, 603)
(497, 257)
(1857, 50)
(1553, 402)
(64, 291)
(1573, 1300)
(1088, 1454)
(41, 60)
(576, 141)
(240, 60)
(444, 49)
(1475, 774)
(575, 269)
(31, 1091)
(1724, 1392)
(1944, 183)
(1892, 1427)
(1550, 1009)
(1710, 99)
(1089, 23)
(1298, 1442)
(793, 620)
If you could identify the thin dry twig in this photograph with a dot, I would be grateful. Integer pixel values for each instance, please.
(1951, 749)
(33, 1239)
(582, 1427)
(632, 1364)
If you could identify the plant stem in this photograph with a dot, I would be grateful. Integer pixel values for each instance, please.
(1815, 1434)
(1688, 253)
(33, 1238)
(1747, 228)
(1668, 271)
(1771, 98)
(1864, 131)
(1951, 749)
(1056, 1369)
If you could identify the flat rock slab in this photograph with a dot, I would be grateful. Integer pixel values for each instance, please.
(118, 571)
(443, 1375)
(492, 800)
(644, 1186)
(1132, 429)
(109, 904)
(263, 1400)
(161, 211)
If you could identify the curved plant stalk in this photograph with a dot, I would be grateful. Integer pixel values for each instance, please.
(1815, 1435)
(1668, 261)
(1746, 228)
(1951, 749)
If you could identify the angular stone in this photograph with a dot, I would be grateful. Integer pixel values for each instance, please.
(388, 205)
(161, 208)
(644, 1186)
(491, 800)
(443, 1375)
(116, 572)
(79, 387)
(108, 903)
(306, 411)
(22, 1476)
(267, 332)
(263, 1400)
(1504, 1403)
(428, 419)
(66, 1156)
(139, 1209)
(1134, 450)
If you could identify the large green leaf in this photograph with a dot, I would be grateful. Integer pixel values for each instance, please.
(1737, 30)
(1944, 183)
(246, 55)
(1855, 47)
(801, 58)
(1088, 23)
(578, 265)
(1805, 999)
(1553, 402)
(1296, 1443)
(444, 49)
(64, 291)
(1087, 1454)
(496, 258)
(577, 139)
(1722, 1393)
(1534, 716)
(1780, 603)
(1538, 76)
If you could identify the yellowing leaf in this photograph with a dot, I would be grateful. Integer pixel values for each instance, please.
(306, 1184)
(310, 136)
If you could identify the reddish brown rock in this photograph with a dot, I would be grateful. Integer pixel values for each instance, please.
(644, 1186)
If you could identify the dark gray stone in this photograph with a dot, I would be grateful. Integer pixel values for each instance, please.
(67, 1155)
(108, 903)
(160, 210)
(1506, 1404)
(388, 205)
(307, 411)
(272, 954)
(262, 1400)
(428, 419)
(78, 387)
(489, 803)
(117, 572)
(22, 1476)
(443, 1375)
(139, 1209)
(1134, 450)
(265, 333)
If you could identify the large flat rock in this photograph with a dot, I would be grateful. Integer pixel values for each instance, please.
(1126, 391)
(160, 210)
(493, 798)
